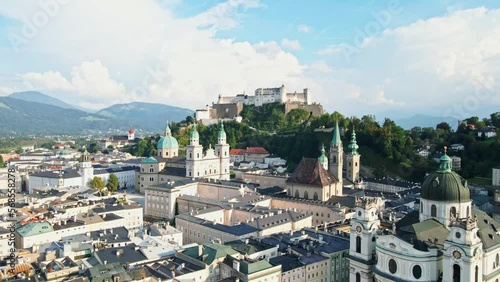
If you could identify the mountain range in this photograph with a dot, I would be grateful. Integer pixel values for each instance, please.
(26, 113)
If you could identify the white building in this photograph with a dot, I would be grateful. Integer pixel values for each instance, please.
(131, 212)
(81, 177)
(448, 241)
(267, 96)
(214, 163)
(496, 176)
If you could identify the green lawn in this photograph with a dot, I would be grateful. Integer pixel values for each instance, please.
(480, 181)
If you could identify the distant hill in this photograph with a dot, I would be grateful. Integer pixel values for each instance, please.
(425, 121)
(25, 117)
(35, 96)
(147, 116)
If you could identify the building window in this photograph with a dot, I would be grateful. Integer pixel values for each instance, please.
(297, 194)
(433, 210)
(456, 273)
(476, 275)
(315, 196)
(358, 277)
(393, 266)
(306, 195)
(358, 244)
(453, 212)
(417, 271)
(190, 155)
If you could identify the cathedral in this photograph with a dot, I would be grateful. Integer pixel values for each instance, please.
(168, 166)
(322, 178)
(446, 239)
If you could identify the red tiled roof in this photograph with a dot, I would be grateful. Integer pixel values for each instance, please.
(237, 151)
(256, 150)
(311, 172)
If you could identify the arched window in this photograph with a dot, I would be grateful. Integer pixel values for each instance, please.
(456, 273)
(476, 275)
(421, 207)
(453, 212)
(334, 159)
(297, 194)
(433, 210)
(468, 211)
(315, 196)
(497, 260)
(356, 164)
(306, 195)
(358, 277)
(358, 244)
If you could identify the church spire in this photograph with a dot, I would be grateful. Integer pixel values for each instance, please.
(168, 132)
(353, 146)
(336, 135)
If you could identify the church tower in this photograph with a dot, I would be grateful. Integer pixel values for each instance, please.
(194, 155)
(323, 159)
(336, 155)
(353, 159)
(222, 152)
(86, 170)
(463, 251)
(364, 228)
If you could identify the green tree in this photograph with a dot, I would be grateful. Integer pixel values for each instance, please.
(97, 183)
(2, 164)
(113, 183)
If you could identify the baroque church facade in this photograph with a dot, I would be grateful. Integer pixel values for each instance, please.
(322, 178)
(168, 165)
(446, 239)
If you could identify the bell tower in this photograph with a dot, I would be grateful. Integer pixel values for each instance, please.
(222, 152)
(353, 159)
(86, 170)
(463, 251)
(364, 228)
(194, 154)
(336, 155)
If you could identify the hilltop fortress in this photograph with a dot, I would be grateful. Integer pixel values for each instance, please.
(230, 107)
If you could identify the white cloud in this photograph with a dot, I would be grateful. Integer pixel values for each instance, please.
(291, 44)
(381, 99)
(50, 80)
(334, 49)
(160, 58)
(304, 28)
(321, 66)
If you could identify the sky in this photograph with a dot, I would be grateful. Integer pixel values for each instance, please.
(393, 58)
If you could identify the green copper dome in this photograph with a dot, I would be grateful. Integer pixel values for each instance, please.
(323, 159)
(353, 146)
(222, 133)
(445, 185)
(194, 133)
(168, 141)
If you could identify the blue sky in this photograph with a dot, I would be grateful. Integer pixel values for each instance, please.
(395, 58)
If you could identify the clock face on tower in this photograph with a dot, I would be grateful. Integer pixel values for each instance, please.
(457, 255)
(358, 229)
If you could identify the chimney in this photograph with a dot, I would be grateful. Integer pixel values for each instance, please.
(105, 262)
(236, 265)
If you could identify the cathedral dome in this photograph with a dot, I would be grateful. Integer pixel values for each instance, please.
(445, 185)
(167, 142)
